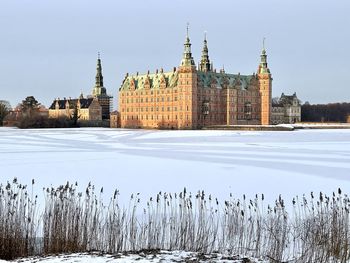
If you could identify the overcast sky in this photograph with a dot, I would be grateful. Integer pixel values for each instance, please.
(48, 49)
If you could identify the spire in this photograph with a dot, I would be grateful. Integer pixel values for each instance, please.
(188, 24)
(263, 68)
(187, 59)
(205, 62)
(99, 77)
(98, 89)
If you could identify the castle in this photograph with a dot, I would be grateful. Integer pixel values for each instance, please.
(190, 98)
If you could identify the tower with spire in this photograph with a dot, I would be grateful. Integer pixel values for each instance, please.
(204, 64)
(100, 92)
(187, 59)
(98, 88)
(265, 87)
(188, 82)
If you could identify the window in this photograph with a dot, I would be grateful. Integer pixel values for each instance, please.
(205, 108)
(248, 110)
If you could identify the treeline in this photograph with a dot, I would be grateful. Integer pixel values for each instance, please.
(332, 112)
(30, 114)
(314, 229)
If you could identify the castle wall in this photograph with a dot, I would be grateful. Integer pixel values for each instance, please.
(189, 105)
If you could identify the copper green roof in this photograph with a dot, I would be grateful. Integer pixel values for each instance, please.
(154, 80)
(205, 79)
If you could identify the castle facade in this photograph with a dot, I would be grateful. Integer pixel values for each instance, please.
(190, 97)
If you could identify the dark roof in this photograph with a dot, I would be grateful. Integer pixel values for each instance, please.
(287, 99)
(84, 103)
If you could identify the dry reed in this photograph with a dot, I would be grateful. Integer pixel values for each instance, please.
(314, 229)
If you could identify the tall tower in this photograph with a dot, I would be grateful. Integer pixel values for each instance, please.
(98, 88)
(187, 59)
(265, 87)
(188, 88)
(99, 91)
(205, 65)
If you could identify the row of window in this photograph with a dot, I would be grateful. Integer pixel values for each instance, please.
(232, 99)
(138, 93)
(154, 108)
(154, 117)
(216, 117)
(205, 109)
(159, 99)
(232, 117)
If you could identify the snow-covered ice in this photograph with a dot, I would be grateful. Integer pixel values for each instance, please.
(148, 161)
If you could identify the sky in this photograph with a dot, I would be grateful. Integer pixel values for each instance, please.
(48, 49)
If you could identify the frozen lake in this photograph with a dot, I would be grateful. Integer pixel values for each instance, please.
(149, 161)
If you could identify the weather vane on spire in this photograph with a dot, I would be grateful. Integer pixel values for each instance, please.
(98, 55)
(205, 35)
(188, 24)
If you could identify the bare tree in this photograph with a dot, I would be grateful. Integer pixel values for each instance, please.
(5, 108)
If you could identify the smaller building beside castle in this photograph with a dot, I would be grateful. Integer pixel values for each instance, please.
(92, 109)
(286, 109)
(87, 109)
(114, 121)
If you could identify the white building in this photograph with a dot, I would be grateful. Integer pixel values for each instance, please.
(286, 109)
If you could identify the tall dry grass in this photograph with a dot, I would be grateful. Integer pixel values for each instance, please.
(312, 229)
(19, 220)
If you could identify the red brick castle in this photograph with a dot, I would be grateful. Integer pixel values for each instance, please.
(190, 98)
